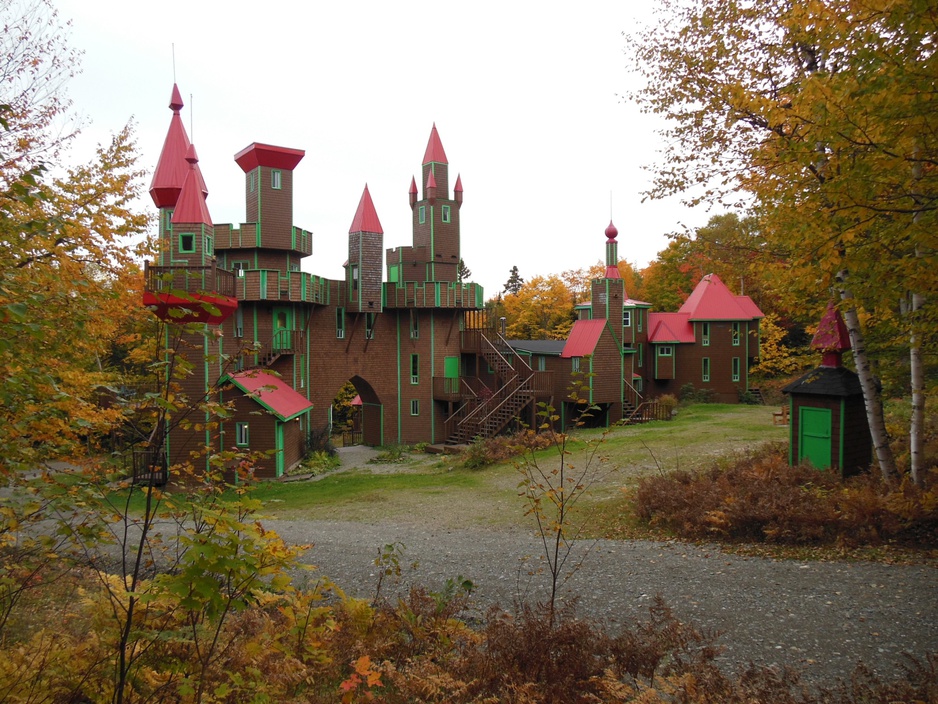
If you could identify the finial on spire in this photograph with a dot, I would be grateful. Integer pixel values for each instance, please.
(611, 232)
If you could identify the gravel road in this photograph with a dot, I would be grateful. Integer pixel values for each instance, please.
(820, 617)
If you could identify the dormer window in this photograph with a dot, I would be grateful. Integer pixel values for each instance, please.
(276, 179)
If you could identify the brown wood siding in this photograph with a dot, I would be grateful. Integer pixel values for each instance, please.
(276, 214)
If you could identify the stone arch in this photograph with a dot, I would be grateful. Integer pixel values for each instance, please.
(372, 412)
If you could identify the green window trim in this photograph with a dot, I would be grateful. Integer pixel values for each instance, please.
(276, 179)
(186, 243)
(665, 351)
(575, 364)
(736, 368)
(705, 369)
(638, 316)
(414, 325)
(369, 326)
(626, 318)
(422, 214)
(208, 245)
(242, 436)
(354, 276)
(705, 334)
(252, 181)
(340, 323)
(735, 334)
(446, 213)
(415, 369)
(415, 407)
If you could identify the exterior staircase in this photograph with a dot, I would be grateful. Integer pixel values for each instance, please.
(487, 415)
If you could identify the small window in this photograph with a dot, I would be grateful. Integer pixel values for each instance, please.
(736, 334)
(186, 243)
(252, 180)
(354, 275)
(238, 268)
(241, 434)
(208, 245)
(575, 364)
(705, 334)
(445, 213)
(705, 375)
(239, 321)
(542, 364)
(340, 323)
(665, 351)
(276, 179)
(626, 318)
(422, 214)
(415, 407)
(415, 369)
(735, 368)
(641, 353)
(369, 325)
(414, 325)
(638, 383)
(638, 319)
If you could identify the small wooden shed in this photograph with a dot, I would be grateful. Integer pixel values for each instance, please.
(828, 424)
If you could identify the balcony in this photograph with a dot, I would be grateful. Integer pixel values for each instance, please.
(185, 294)
(433, 294)
(274, 285)
(248, 236)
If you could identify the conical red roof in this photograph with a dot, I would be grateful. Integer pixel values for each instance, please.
(458, 187)
(366, 219)
(435, 149)
(190, 207)
(171, 169)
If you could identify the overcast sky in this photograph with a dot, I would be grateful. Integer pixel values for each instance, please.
(526, 97)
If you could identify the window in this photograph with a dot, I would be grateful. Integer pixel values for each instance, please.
(369, 325)
(638, 316)
(665, 351)
(422, 214)
(208, 245)
(542, 364)
(414, 325)
(575, 364)
(186, 243)
(445, 213)
(241, 434)
(638, 383)
(239, 321)
(276, 179)
(705, 376)
(626, 318)
(415, 407)
(705, 334)
(415, 369)
(252, 181)
(354, 274)
(735, 334)
(735, 368)
(238, 268)
(641, 353)
(339, 323)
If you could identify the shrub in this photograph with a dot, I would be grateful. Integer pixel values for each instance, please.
(758, 497)
(483, 452)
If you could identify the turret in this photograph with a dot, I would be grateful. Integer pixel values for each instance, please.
(436, 216)
(268, 184)
(831, 338)
(365, 267)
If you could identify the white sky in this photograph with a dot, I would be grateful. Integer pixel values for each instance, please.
(525, 96)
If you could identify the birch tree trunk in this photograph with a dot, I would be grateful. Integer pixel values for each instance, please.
(917, 374)
(871, 395)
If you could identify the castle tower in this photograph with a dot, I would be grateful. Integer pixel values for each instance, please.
(365, 267)
(436, 215)
(608, 293)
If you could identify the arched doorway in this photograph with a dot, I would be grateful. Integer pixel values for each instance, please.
(362, 414)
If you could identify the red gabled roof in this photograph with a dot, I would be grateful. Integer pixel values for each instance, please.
(257, 154)
(171, 169)
(712, 300)
(434, 149)
(366, 219)
(583, 338)
(272, 392)
(191, 207)
(670, 327)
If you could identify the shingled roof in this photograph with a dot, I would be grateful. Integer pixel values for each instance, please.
(712, 300)
(827, 381)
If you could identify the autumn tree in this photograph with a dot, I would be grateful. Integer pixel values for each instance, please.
(462, 271)
(825, 115)
(542, 309)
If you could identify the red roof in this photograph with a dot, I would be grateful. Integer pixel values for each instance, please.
(171, 169)
(583, 338)
(670, 327)
(258, 154)
(434, 149)
(831, 335)
(190, 207)
(366, 219)
(272, 392)
(413, 186)
(458, 187)
(431, 180)
(712, 300)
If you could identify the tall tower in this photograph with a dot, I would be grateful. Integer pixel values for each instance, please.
(608, 293)
(436, 215)
(365, 265)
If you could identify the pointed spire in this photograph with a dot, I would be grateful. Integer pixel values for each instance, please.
(612, 252)
(831, 338)
(457, 190)
(190, 206)
(171, 169)
(431, 186)
(413, 191)
(434, 151)
(366, 218)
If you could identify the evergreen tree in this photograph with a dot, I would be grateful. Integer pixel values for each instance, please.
(514, 283)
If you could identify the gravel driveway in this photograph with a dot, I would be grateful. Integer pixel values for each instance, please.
(821, 617)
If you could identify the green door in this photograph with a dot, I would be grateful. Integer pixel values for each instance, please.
(283, 329)
(451, 374)
(279, 448)
(815, 432)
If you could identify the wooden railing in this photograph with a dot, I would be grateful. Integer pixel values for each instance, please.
(432, 294)
(191, 279)
(275, 285)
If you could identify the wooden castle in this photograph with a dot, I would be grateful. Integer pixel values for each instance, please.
(401, 326)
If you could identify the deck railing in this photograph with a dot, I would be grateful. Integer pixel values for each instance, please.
(191, 279)
(433, 294)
